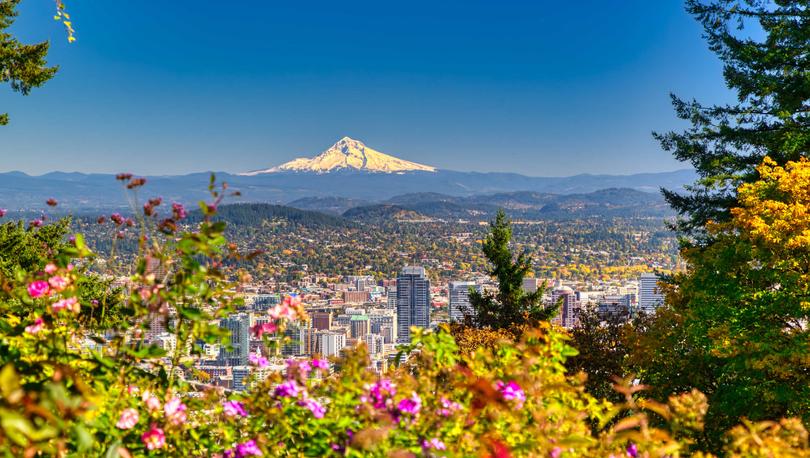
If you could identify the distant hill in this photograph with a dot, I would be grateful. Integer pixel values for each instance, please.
(334, 205)
(373, 213)
(257, 215)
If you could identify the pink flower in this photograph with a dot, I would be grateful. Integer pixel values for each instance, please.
(175, 411)
(3, 212)
(320, 364)
(234, 409)
(258, 360)
(128, 420)
(314, 406)
(264, 328)
(410, 405)
(50, 269)
(288, 389)
(511, 391)
(38, 325)
(154, 438)
(38, 288)
(244, 450)
(133, 389)
(434, 444)
(71, 304)
(58, 283)
(36, 223)
(178, 211)
(379, 393)
(152, 402)
(295, 367)
(448, 407)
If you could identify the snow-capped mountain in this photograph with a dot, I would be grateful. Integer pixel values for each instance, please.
(348, 154)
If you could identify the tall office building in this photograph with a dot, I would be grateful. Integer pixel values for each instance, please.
(649, 296)
(331, 343)
(360, 326)
(374, 342)
(569, 305)
(460, 299)
(392, 298)
(413, 301)
(239, 326)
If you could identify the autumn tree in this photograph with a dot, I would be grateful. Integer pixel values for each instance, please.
(736, 326)
(511, 305)
(765, 49)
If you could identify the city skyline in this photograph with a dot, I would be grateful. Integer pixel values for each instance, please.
(452, 86)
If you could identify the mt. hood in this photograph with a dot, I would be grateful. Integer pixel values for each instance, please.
(348, 154)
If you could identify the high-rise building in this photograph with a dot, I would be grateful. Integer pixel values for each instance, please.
(360, 326)
(649, 295)
(569, 305)
(530, 285)
(459, 292)
(384, 322)
(331, 343)
(392, 297)
(321, 320)
(374, 342)
(413, 301)
(239, 326)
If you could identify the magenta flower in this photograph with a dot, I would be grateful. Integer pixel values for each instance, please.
(379, 393)
(264, 328)
(129, 418)
(434, 444)
(71, 304)
(244, 449)
(318, 411)
(178, 211)
(320, 364)
(175, 411)
(296, 367)
(555, 452)
(287, 389)
(448, 407)
(234, 409)
(511, 391)
(50, 269)
(632, 450)
(38, 326)
(58, 283)
(154, 438)
(3, 212)
(36, 223)
(258, 360)
(410, 405)
(38, 288)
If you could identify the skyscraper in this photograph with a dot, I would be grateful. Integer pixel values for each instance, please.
(459, 292)
(649, 296)
(413, 301)
(569, 307)
(239, 325)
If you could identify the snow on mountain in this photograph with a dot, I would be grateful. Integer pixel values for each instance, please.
(348, 154)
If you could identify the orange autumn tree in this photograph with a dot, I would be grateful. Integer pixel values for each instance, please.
(737, 323)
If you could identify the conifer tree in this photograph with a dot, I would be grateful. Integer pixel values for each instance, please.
(765, 49)
(22, 66)
(512, 304)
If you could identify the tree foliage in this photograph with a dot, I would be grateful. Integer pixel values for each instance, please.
(511, 304)
(765, 49)
(736, 326)
(22, 66)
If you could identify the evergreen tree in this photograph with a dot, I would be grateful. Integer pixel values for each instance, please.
(512, 304)
(22, 66)
(765, 48)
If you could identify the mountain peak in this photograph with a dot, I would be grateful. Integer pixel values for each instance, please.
(348, 154)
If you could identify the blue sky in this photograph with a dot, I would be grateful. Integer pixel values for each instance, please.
(535, 87)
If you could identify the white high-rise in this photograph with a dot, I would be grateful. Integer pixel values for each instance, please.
(459, 292)
(649, 295)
